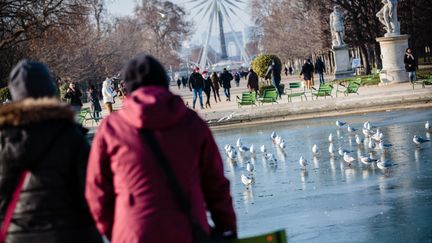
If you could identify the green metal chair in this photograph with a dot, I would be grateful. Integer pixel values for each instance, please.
(351, 88)
(86, 115)
(296, 89)
(248, 98)
(423, 82)
(269, 96)
(324, 90)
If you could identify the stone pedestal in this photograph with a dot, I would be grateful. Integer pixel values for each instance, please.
(342, 63)
(393, 49)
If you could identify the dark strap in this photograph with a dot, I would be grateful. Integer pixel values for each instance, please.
(170, 176)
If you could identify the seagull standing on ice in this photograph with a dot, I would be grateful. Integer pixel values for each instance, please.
(303, 163)
(428, 126)
(351, 129)
(315, 150)
(252, 149)
(273, 136)
(239, 143)
(372, 144)
(348, 158)
(419, 140)
(249, 167)
(367, 160)
(340, 123)
(359, 140)
(247, 181)
(263, 149)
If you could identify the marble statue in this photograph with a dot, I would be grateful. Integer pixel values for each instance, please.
(337, 27)
(388, 17)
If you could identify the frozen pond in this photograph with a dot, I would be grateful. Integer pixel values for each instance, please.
(332, 202)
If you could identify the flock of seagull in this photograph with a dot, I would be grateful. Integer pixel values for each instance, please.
(373, 139)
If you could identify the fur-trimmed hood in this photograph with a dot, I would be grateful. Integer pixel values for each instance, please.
(31, 111)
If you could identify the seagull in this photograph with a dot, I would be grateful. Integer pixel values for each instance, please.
(278, 140)
(239, 143)
(270, 157)
(303, 163)
(331, 149)
(273, 136)
(366, 125)
(367, 132)
(428, 126)
(384, 146)
(340, 123)
(243, 149)
(378, 135)
(330, 138)
(372, 144)
(282, 145)
(359, 140)
(351, 129)
(252, 149)
(315, 149)
(342, 151)
(232, 154)
(228, 148)
(348, 158)
(263, 149)
(384, 165)
(367, 160)
(247, 181)
(249, 167)
(419, 140)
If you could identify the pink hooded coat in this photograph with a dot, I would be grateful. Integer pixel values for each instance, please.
(127, 192)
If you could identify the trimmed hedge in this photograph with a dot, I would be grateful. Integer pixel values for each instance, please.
(4, 94)
(261, 63)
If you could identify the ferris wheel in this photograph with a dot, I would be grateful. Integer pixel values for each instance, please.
(220, 12)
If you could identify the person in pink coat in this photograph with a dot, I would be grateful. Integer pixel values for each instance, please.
(127, 191)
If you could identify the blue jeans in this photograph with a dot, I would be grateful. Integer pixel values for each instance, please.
(412, 76)
(227, 92)
(276, 84)
(321, 76)
(197, 92)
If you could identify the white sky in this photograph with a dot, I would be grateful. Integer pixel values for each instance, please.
(126, 7)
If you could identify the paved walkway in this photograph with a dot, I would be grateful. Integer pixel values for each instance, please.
(371, 98)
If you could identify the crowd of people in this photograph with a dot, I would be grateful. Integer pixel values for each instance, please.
(143, 174)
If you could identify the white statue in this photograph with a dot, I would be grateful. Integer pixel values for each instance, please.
(337, 27)
(388, 16)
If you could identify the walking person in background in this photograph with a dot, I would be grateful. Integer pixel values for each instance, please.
(237, 78)
(410, 65)
(274, 72)
(306, 71)
(290, 69)
(286, 71)
(44, 153)
(131, 195)
(73, 94)
(179, 82)
(252, 81)
(108, 94)
(226, 78)
(196, 85)
(184, 82)
(208, 87)
(320, 68)
(94, 101)
(215, 81)
(312, 70)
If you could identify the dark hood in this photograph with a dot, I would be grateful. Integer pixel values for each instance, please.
(31, 79)
(30, 127)
(153, 107)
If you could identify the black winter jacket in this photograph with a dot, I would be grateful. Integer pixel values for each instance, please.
(226, 78)
(410, 63)
(196, 81)
(41, 136)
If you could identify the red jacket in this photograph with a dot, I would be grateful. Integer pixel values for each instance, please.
(128, 194)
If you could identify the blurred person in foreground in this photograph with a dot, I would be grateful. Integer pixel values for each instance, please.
(38, 135)
(130, 196)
